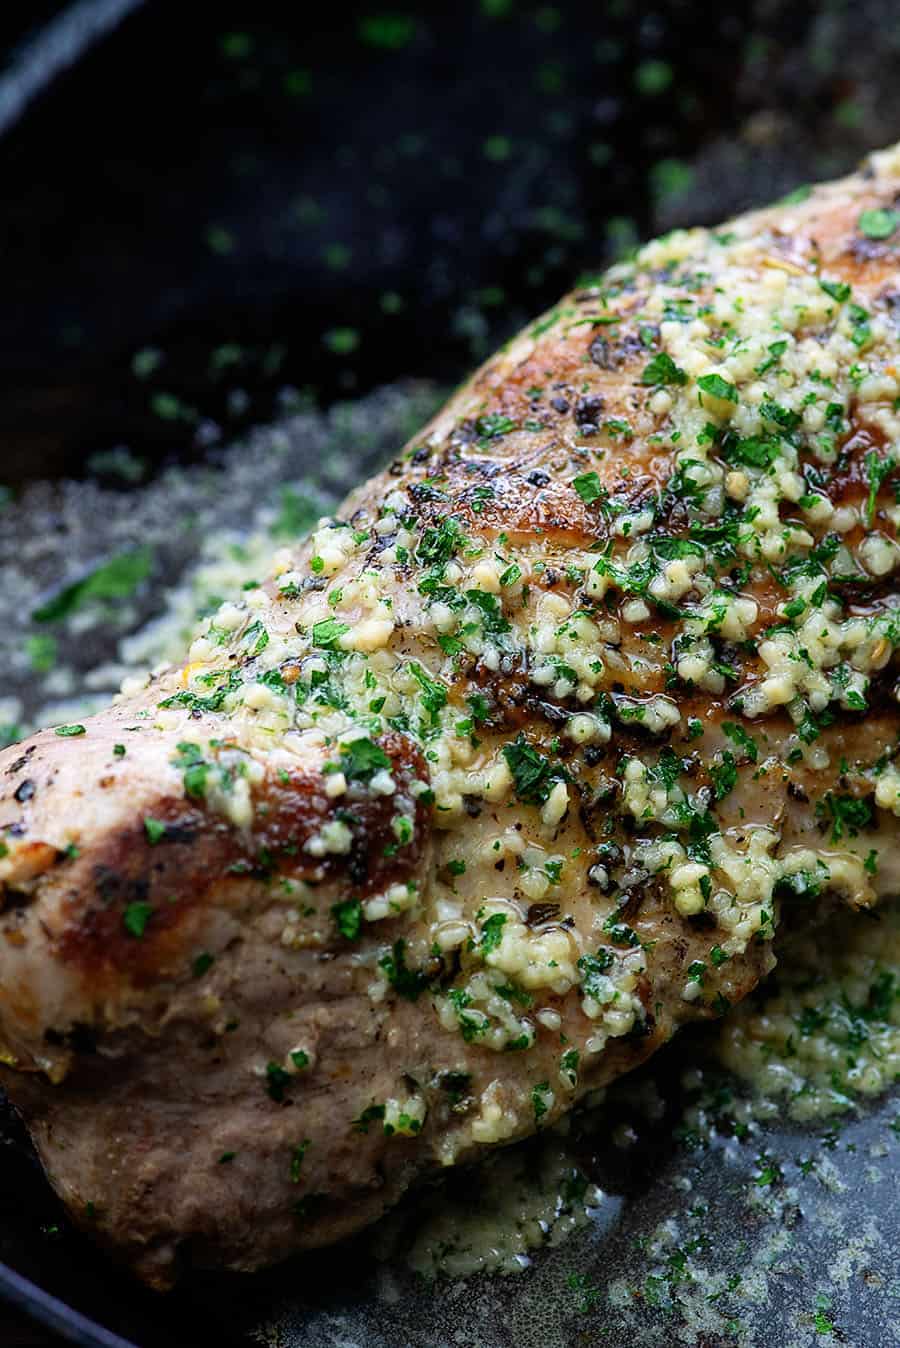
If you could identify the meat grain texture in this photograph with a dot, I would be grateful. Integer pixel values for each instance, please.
(508, 772)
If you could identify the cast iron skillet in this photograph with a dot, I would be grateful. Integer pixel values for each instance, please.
(324, 208)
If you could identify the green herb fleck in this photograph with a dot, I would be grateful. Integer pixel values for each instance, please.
(348, 918)
(589, 487)
(533, 775)
(116, 579)
(879, 222)
(277, 1081)
(717, 387)
(135, 918)
(155, 830)
(663, 370)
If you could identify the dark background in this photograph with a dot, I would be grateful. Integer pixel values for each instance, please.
(219, 209)
(216, 213)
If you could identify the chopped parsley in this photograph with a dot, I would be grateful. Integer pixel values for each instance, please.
(155, 830)
(256, 639)
(327, 633)
(409, 983)
(877, 470)
(439, 543)
(592, 969)
(723, 775)
(838, 290)
(116, 579)
(541, 1098)
(214, 701)
(879, 222)
(189, 760)
(491, 933)
(277, 1081)
(717, 387)
(361, 759)
(371, 1114)
(589, 487)
(135, 918)
(663, 370)
(494, 424)
(434, 693)
(568, 1066)
(348, 918)
(297, 1156)
(847, 814)
(744, 742)
(533, 775)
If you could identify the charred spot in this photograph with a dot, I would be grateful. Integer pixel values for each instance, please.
(358, 861)
(21, 763)
(605, 790)
(889, 299)
(593, 754)
(108, 883)
(643, 1025)
(612, 355)
(551, 712)
(847, 481)
(539, 913)
(205, 852)
(80, 1039)
(634, 893)
(538, 478)
(180, 831)
(15, 900)
(594, 801)
(860, 590)
(864, 250)
(606, 858)
(298, 809)
(509, 699)
(600, 353)
(423, 492)
(25, 791)
(589, 410)
(489, 468)
(465, 433)
(882, 693)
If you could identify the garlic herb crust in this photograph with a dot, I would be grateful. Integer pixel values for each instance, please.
(714, 533)
(533, 744)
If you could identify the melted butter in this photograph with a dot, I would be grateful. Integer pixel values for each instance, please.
(823, 1034)
(497, 1214)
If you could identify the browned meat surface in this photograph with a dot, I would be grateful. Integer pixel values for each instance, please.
(497, 780)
